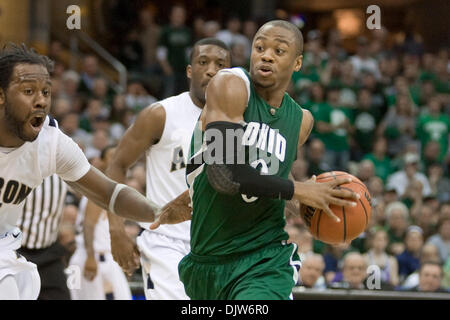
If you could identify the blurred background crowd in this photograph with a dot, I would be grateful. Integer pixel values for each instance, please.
(381, 104)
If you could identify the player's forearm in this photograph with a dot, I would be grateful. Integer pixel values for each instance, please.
(88, 235)
(130, 204)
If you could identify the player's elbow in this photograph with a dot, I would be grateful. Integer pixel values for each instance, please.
(226, 91)
(220, 177)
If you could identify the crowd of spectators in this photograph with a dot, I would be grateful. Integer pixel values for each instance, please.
(381, 113)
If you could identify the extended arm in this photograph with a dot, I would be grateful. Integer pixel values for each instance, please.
(129, 203)
(145, 132)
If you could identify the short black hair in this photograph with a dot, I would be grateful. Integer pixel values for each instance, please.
(14, 54)
(208, 41)
(298, 36)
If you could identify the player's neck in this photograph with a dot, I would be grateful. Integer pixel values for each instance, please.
(195, 100)
(8, 139)
(273, 97)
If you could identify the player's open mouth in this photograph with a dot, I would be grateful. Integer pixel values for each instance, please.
(265, 71)
(37, 122)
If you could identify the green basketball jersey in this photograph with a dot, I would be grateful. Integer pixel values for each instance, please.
(223, 224)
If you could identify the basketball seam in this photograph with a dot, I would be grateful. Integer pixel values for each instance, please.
(345, 222)
(365, 213)
(318, 224)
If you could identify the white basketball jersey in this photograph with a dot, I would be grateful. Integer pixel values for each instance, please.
(23, 169)
(102, 240)
(167, 159)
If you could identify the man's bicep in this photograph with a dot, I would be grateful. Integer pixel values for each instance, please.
(306, 127)
(146, 131)
(226, 99)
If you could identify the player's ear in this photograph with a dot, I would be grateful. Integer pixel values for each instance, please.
(298, 63)
(189, 71)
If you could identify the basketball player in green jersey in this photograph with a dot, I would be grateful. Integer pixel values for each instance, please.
(238, 242)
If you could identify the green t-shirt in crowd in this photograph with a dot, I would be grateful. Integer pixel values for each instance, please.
(434, 128)
(383, 167)
(336, 140)
(177, 41)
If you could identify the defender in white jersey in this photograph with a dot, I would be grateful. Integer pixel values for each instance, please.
(163, 131)
(33, 148)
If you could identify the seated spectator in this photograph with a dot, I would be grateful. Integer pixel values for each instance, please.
(69, 85)
(390, 195)
(382, 163)
(366, 171)
(362, 61)
(442, 239)
(315, 157)
(427, 219)
(430, 278)
(137, 96)
(353, 272)
(70, 125)
(431, 154)
(408, 260)
(333, 126)
(434, 125)
(348, 86)
(211, 28)
(100, 140)
(311, 272)
(366, 121)
(333, 259)
(377, 255)
(439, 183)
(401, 179)
(429, 253)
(90, 71)
(232, 33)
(93, 110)
(398, 125)
(102, 92)
(60, 107)
(376, 189)
(397, 215)
(378, 216)
(238, 58)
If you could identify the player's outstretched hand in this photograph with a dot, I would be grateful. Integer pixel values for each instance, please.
(321, 195)
(176, 211)
(125, 252)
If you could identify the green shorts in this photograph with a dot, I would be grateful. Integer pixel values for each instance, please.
(269, 273)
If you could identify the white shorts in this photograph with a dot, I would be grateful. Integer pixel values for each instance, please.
(23, 272)
(160, 256)
(110, 279)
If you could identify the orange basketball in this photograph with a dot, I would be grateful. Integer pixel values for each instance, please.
(354, 220)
